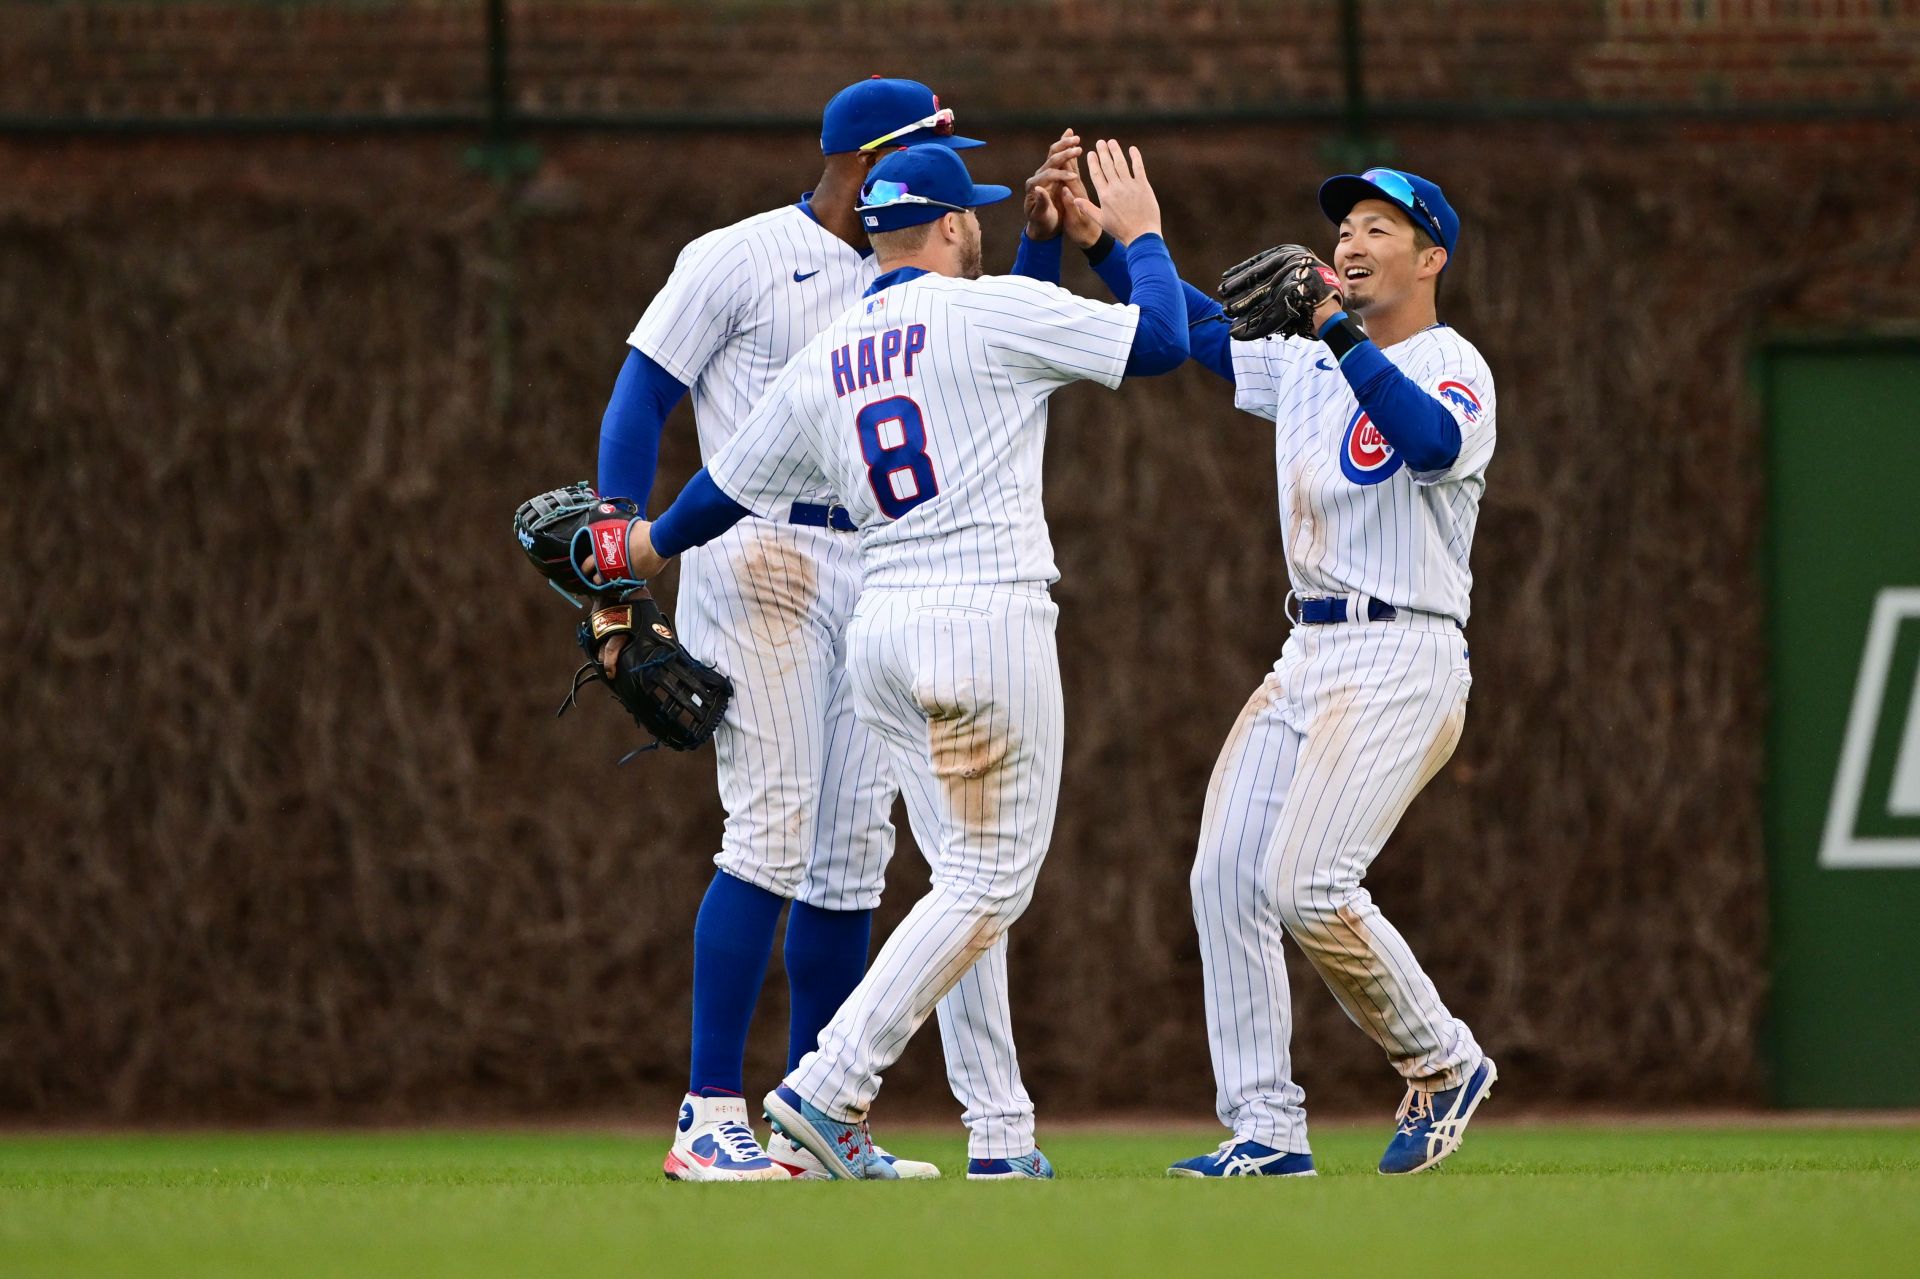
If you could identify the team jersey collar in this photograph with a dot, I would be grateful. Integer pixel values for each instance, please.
(887, 279)
(805, 205)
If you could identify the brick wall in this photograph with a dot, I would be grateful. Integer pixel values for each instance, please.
(1013, 57)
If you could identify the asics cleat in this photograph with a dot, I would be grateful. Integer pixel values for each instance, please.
(1432, 1125)
(1237, 1158)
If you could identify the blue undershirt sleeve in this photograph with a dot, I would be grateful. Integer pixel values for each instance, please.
(1160, 341)
(1038, 259)
(1207, 338)
(1208, 332)
(1112, 269)
(643, 396)
(700, 514)
(1417, 425)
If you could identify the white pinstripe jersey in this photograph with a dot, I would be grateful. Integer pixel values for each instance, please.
(1353, 517)
(740, 303)
(925, 408)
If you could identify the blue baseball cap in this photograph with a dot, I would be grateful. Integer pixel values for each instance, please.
(1418, 198)
(879, 113)
(918, 185)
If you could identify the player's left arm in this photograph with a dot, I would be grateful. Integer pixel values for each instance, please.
(1207, 339)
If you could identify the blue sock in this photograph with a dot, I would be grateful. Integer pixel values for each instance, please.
(732, 942)
(826, 958)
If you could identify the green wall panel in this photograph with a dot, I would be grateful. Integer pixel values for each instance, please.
(1843, 774)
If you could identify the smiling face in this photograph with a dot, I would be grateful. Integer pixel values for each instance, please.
(1382, 262)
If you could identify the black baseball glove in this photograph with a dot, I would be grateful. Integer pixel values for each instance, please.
(1275, 292)
(567, 531)
(670, 694)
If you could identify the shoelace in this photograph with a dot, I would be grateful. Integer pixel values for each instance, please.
(1415, 1108)
(739, 1141)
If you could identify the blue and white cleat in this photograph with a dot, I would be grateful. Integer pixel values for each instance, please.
(1237, 1158)
(713, 1142)
(800, 1163)
(1432, 1125)
(1032, 1166)
(844, 1150)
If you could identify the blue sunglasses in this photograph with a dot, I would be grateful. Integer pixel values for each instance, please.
(1394, 184)
(881, 193)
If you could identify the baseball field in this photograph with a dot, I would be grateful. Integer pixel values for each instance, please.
(1520, 1199)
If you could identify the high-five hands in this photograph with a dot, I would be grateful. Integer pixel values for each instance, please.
(1062, 166)
(1128, 208)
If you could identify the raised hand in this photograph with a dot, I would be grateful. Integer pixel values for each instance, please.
(1082, 229)
(1060, 167)
(1128, 208)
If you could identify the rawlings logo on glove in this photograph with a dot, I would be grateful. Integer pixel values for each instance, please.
(571, 532)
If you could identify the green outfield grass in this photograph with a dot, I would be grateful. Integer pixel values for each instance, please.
(1534, 1201)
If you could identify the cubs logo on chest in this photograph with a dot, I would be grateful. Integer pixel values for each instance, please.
(1365, 455)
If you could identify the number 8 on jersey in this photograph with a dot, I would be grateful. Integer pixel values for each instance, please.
(893, 440)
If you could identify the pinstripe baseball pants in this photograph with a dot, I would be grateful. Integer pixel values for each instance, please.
(962, 685)
(1347, 728)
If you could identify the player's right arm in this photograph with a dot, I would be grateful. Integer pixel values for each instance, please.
(643, 396)
(762, 469)
(686, 324)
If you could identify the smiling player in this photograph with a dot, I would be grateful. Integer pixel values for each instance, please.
(1383, 435)
(1383, 438)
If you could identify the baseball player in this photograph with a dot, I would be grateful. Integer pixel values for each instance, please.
(1383, 437)
(924, 408)
(807, 789)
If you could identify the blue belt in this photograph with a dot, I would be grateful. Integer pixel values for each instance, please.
(814, 515)
(1333, 608)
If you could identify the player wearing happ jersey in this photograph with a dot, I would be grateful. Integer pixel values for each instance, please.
(807, 790)
(925, 408)
(1383, 439)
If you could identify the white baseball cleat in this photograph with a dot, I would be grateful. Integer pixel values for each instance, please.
(714, 1142)
(800, 1162)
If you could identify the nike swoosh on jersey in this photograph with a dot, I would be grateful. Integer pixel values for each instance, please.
(797, 276)
(1322, 364)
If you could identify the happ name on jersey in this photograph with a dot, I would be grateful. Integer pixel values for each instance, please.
(854, 364)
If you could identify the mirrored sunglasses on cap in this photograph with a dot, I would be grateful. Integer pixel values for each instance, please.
(883, 193)
(1396, 187)
(941, 122)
